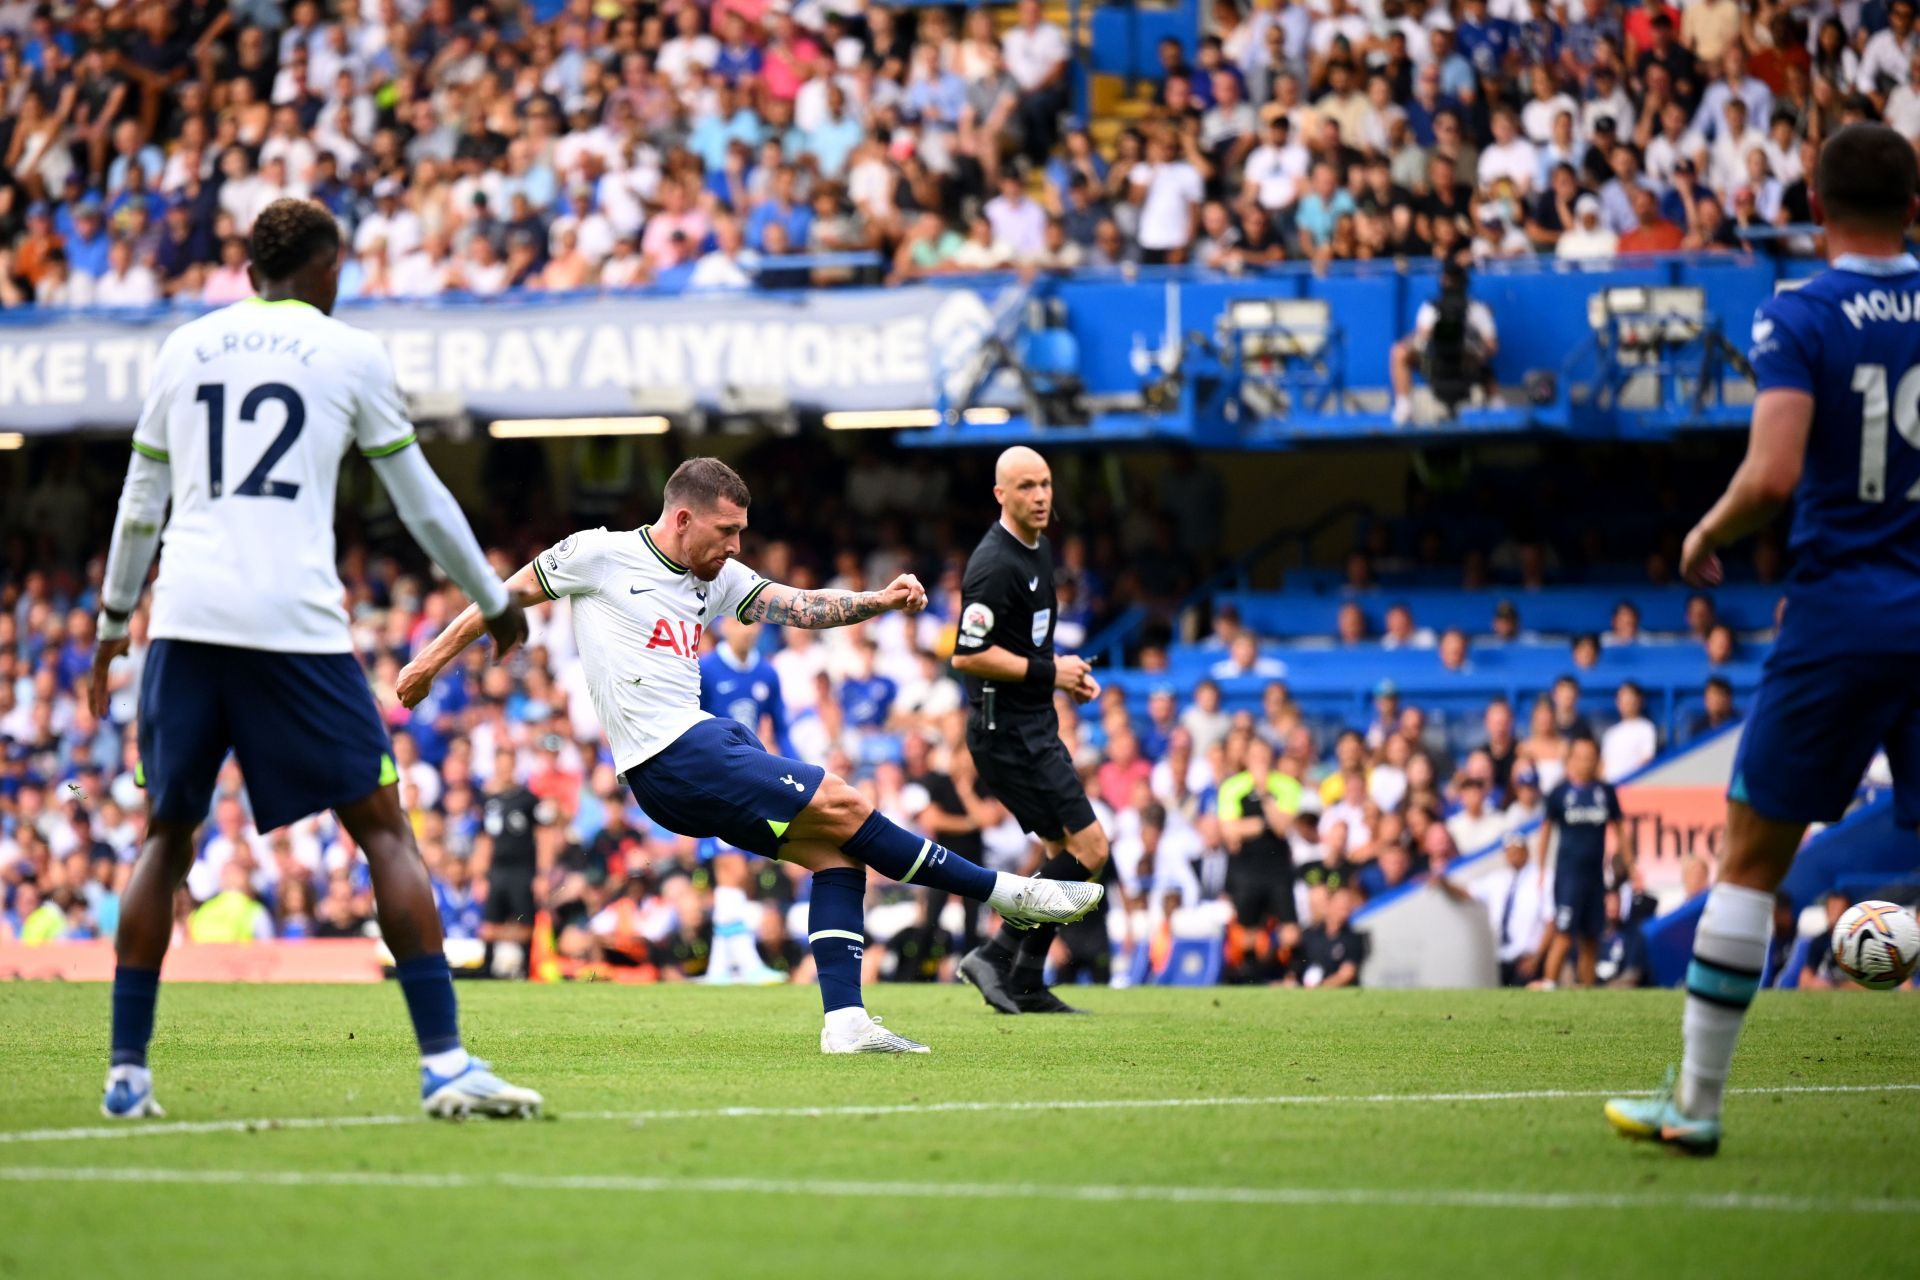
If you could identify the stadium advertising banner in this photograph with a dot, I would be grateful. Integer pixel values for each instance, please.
(851, 349)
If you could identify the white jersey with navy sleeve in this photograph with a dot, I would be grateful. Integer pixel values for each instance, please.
(253, 407)
(638, 618)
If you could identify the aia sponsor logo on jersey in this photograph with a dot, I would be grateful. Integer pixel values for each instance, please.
(681, 639)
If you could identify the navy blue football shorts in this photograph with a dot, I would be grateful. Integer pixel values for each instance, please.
(1813, 730)
(717, 781)
(1580, 902)
(302, 725)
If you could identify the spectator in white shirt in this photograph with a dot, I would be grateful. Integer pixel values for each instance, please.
(240, 189)
(1765, 190)
(1478, 824)
(1337, 22)
(1673, 142)
(1511, 156)
(389, 224)
(1245, 659)
(422, 273)
(1884, 62)
(1037, 59)
(691, 51)
(1902, 111)
(1276, 170)
(730, 265)
(980, 251)
(1548, 101)
(1017, 220)
(1608, 100)
(1231, 126)
(625, 268)
(1400, 631)
(1169, 192)
(287, 140)
(481, 272)
(1727, 154)
(594, 233)
(1586, 239)
(1517, 911)
(126, 283)
(1631, 744)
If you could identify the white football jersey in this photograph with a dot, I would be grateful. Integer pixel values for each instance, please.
(253, 407)
(638, 616)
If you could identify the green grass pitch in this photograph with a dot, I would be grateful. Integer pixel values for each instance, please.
(640, 1170)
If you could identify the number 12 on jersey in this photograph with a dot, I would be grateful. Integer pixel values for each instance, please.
(214, 396)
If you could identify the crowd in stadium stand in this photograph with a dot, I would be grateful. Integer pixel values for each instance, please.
(1359, 807)
(558, 145)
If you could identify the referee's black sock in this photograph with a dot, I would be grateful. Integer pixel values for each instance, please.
(1030, 962)
(1004, 946)
(1030, 966)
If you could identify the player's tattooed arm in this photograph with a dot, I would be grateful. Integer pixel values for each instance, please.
(816, 610)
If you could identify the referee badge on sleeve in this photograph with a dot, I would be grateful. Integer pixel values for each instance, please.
(976, 622)
(1040, 620)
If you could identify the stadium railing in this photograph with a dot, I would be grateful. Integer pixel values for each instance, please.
(760, 267)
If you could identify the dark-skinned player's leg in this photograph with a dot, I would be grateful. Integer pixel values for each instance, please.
(139, 948)
(402, 890)
(410, 926)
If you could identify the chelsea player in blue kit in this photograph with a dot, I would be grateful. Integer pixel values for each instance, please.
(1836, 429)
(738, 683)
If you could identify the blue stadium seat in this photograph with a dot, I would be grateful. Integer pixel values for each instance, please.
(1561, 611)
(1051, 358)
(1193, 962)
(1796, 964)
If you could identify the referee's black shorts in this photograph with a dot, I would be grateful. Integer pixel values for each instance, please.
(1261, 893)
(1027, 768)
(510, 897)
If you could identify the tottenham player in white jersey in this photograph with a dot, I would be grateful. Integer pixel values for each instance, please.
(250, 411)
(642, 599)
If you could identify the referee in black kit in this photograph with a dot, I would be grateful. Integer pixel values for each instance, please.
(1005, 651)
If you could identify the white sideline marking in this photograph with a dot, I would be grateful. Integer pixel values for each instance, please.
(1438, 1198)
(269, 1125)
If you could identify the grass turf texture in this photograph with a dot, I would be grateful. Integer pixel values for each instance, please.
(246, 1052)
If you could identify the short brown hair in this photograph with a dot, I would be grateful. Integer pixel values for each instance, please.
(699, 484)
(1866, 176)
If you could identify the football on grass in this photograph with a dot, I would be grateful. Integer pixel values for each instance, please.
(1877, 944)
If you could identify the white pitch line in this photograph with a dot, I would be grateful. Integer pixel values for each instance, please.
(1155, 1104)
(269, 1125)
(1438, 1198)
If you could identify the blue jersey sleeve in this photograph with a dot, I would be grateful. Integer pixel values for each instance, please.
(776, 706)
(1555, 811)
(1613, 804)
(1785, 345)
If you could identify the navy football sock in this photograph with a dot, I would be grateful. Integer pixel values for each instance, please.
(427, 983)
(836, 918)
(898, 854)
(134, 994)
